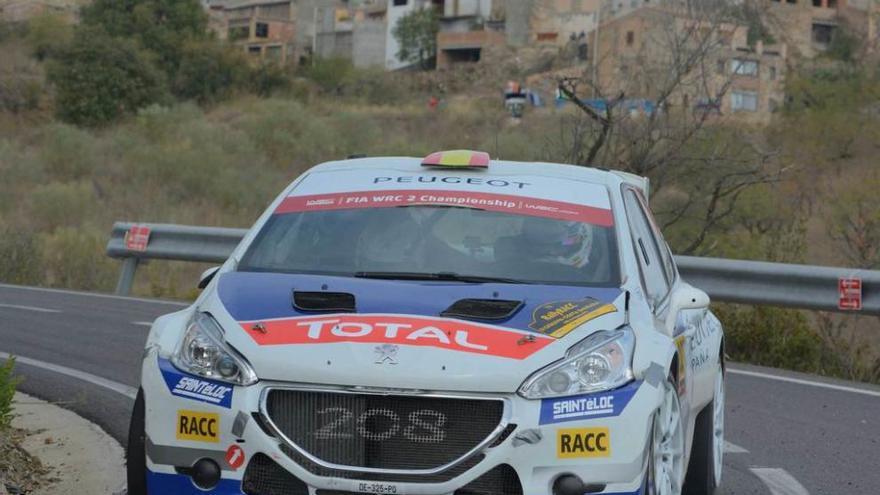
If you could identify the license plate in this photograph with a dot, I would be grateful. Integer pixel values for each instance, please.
(378, 488)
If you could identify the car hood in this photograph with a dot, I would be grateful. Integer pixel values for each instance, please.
(395, 336)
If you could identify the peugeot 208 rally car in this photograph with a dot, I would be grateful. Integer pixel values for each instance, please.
(448, 325)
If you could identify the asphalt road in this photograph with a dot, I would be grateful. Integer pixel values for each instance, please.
(791, 434)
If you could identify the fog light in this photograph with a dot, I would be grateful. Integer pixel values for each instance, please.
(205, 474)
(569, 484)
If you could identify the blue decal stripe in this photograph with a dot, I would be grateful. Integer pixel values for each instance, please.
(589, 406)
(194, 387)
(179, 484)
(254, 296)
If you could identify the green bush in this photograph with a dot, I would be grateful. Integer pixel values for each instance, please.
(210, 71)
(68, 153)
(330, 74)
(62, 204)
(8, 382)
(20, 257)
(781, 338)
(160, 26)
(73, 257)
(100, 78)
(48, 34)
(416, 35)
(19, 94)
(268, 79)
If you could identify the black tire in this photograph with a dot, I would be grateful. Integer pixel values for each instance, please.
(700, 478)
(136, 453)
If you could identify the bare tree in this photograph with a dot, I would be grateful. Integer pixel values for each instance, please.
(657, 113)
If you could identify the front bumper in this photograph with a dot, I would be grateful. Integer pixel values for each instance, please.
(188, 419)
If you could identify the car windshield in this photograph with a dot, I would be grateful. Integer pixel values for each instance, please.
(436, 242)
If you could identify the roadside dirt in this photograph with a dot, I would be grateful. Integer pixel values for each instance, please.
(53, 451)
(20, 472)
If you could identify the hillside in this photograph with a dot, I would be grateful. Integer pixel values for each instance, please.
(809, 194)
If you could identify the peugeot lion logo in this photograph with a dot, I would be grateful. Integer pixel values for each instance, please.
(386, 353)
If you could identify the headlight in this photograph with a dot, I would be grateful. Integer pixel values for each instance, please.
(204, 352)
(602, 361)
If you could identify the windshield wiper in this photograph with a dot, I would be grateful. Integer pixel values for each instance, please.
(440, 276)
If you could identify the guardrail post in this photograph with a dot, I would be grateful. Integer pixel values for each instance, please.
(126, 277)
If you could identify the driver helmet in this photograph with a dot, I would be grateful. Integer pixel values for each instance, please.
(565, 243)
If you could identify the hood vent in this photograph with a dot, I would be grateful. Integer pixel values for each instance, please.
(482, 309)
(335, 302)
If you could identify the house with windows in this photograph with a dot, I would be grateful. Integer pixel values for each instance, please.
(20, 11)
(265, 29)
(635, 55)
(810, 26)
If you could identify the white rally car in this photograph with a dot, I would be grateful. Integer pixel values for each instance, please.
(452, 325)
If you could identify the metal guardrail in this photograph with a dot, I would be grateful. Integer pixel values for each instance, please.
(171, 242)
(735, 281)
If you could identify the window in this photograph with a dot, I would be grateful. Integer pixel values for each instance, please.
(273, 53)
(772, 73)
(400, 3)
(720, 66)
(261, 30)
(665, 252)
(255, 50)
(437, 239)
(630, 38)
(742, 67)
(823, 33)
(236, 33)
(646, 250)
(744, 101)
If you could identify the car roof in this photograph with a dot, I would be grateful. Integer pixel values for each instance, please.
(497, 168)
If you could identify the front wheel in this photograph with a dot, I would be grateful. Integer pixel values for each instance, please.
(707, 455)
(666, 456)
(136, 453)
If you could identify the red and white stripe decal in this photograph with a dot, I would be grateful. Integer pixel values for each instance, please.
(517, 205)
(442, 333)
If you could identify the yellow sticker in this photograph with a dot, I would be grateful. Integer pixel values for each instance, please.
(583, 442)
(198, 426)
(559, 318)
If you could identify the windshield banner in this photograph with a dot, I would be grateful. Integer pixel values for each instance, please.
(531, 196)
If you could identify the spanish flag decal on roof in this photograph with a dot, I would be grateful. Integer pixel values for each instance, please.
(457, 159)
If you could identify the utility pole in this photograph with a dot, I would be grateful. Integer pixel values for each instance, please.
(596, 48)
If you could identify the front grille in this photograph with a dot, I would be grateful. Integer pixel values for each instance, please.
(383, 431)
(264, 477)
(441, 477)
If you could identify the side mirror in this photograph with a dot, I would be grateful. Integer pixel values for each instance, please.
(207, 276)
(685, 297)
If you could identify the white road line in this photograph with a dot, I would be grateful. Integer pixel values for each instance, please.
(799, 381)
(117, 387)
(779, 481)
(93, 294)
(142, 323)
(732, 448)
(30, 308)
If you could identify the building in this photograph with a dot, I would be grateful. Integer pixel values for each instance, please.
(467, 27)
(561, 21)
(265, 29)
(809, 26)
(635, 58)
(17, 11)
